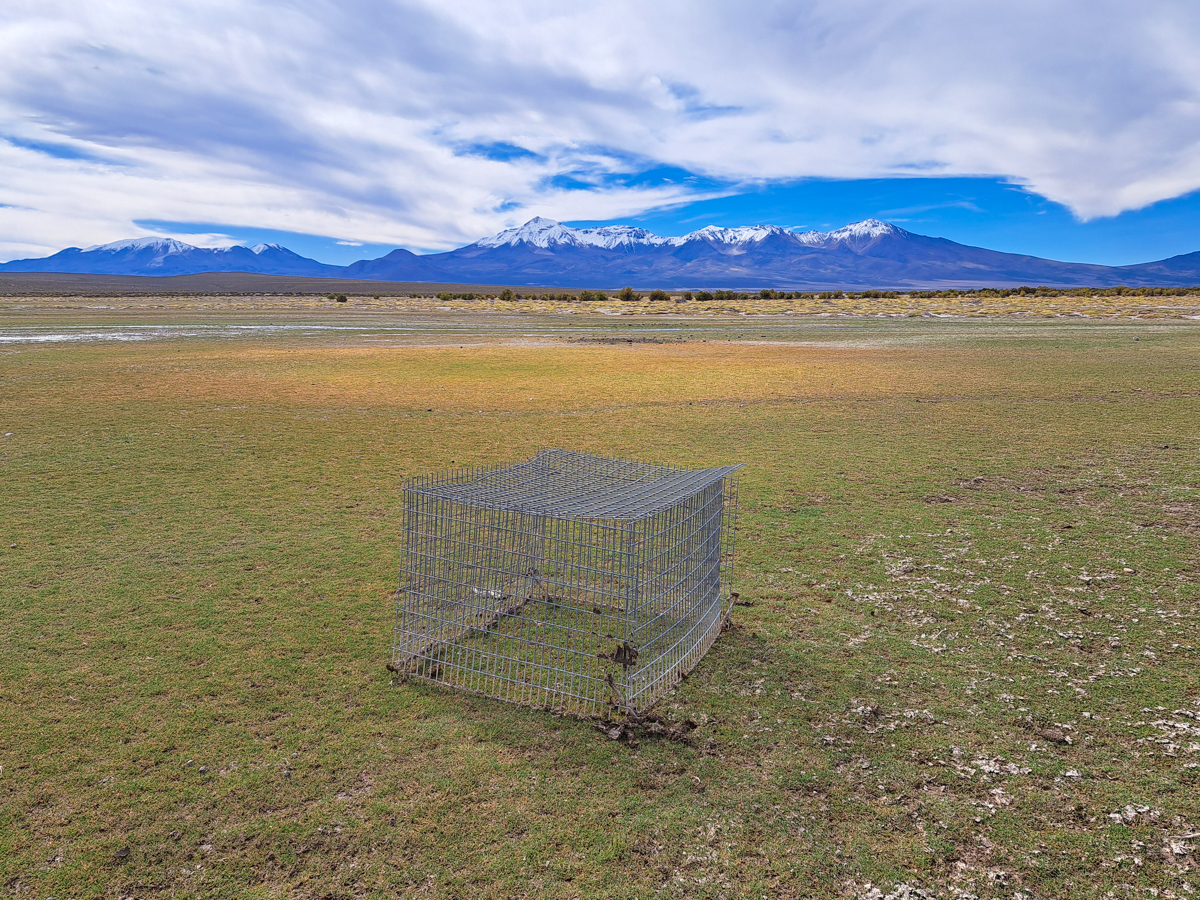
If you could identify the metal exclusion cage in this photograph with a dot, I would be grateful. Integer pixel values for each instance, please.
(585, 585)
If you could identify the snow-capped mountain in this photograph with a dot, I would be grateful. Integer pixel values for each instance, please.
(868, 254)
(546, 233)
(862, 255)
(746, 234)
(856, 235)
(162, 246)
(166, 256)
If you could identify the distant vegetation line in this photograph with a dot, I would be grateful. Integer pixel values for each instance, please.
(628, 294)
(229, 284)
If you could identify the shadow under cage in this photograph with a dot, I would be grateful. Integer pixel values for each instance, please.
(573, 582)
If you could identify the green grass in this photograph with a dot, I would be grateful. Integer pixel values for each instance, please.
(953, 539)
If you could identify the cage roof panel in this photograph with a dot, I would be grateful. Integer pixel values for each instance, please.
(566, 484)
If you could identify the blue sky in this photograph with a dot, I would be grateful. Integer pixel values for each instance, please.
(1068, 129)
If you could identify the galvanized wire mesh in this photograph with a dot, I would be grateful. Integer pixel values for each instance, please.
(579, 583)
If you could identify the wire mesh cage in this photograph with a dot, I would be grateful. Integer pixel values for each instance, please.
(573, 582)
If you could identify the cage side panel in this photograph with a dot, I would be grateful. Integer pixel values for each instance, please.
(681, 608)
(548, 652)
(464, 568)
(514, 606)
(729, 539)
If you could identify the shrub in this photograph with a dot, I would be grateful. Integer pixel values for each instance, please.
(627, 295)
(657, 296)
(507, 295)
(704, 297)
(340, 298)
(686, 298)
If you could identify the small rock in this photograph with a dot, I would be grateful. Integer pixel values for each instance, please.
(120, 856)
(1055, 735)
(203, 770)
(1130, 813)
(1178, 847)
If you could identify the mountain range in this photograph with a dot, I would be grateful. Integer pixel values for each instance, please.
(864, 255)
(164, 257)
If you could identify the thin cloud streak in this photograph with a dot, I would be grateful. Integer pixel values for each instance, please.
(429, 125)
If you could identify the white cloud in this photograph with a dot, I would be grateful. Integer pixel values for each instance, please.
(374, 121)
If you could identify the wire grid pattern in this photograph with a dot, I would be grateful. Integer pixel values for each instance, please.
(573, 582)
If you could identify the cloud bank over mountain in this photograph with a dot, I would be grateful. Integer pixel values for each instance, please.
(421, 123)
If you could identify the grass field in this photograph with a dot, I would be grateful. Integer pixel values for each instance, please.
(968, 666)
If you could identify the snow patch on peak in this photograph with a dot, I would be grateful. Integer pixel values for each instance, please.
(611, 237)
(855, 234)
(258, 249)
(546, 233)
(161, 245)
(812, 238)
(537, 231)
(743, 235)
(867, 228)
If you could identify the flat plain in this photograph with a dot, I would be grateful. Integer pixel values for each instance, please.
(966, 665)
